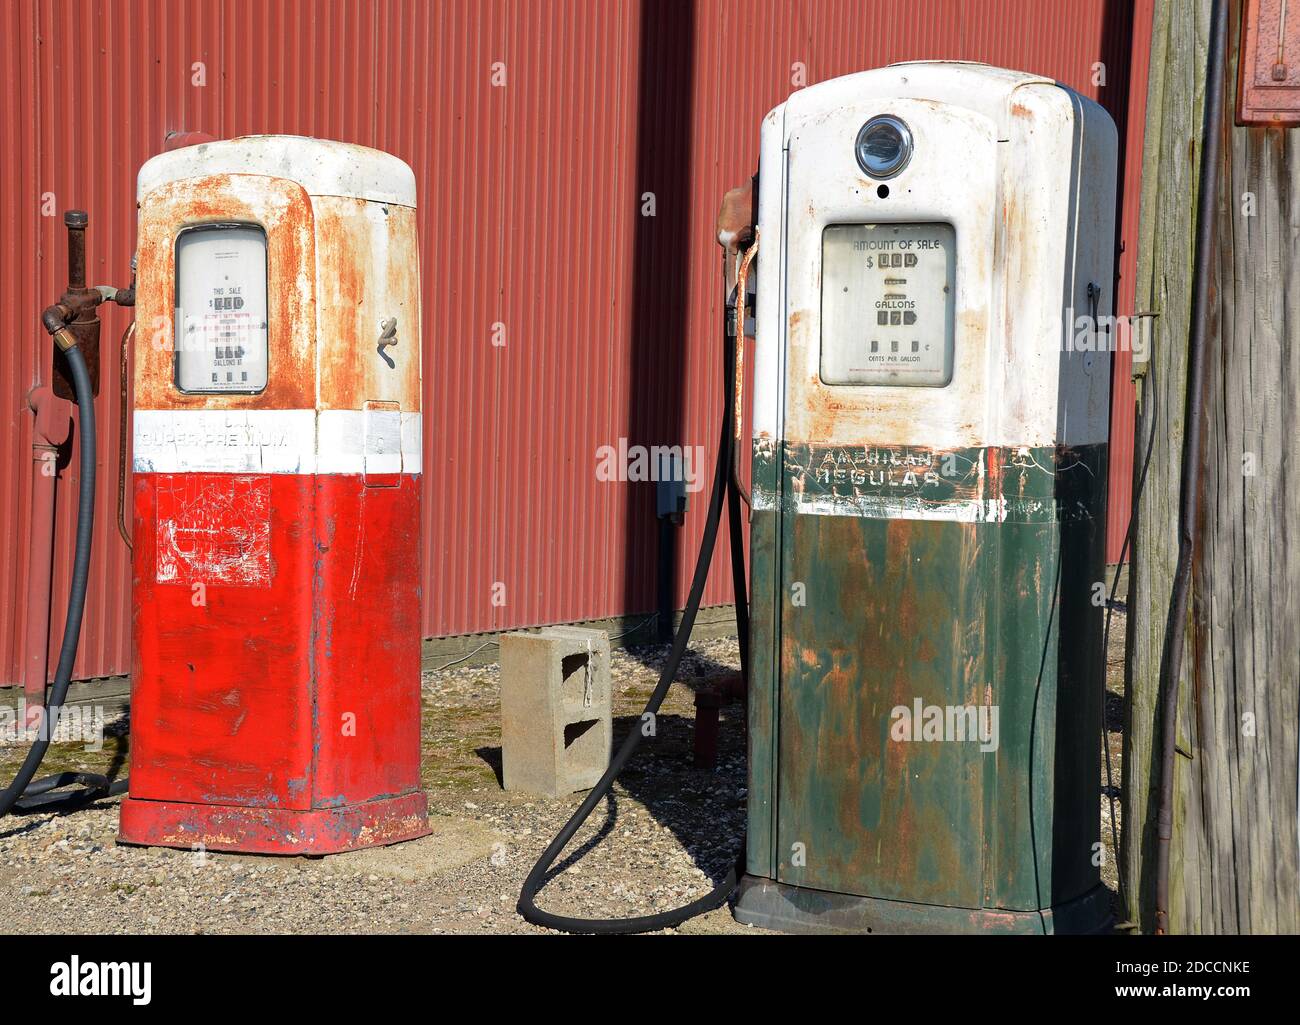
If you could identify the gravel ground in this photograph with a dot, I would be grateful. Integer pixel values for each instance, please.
(668, 832)
(1113, 726)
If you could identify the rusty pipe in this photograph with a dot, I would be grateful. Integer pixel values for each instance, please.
(76, 221)
(742, 308)
(124, 361)
(46, 407)
(50, 425)
(40, 572)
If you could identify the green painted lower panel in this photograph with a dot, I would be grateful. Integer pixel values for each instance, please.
(925, 701)
(773, 905)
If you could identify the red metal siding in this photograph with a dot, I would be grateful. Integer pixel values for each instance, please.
(1122, 412)
(530, 197)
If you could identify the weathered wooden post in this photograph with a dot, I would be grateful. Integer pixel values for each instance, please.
(1235, 864)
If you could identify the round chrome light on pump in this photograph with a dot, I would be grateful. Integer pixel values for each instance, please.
(883, 146)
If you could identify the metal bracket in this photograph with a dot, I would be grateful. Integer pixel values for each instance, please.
(1142, 353)
(387, 337)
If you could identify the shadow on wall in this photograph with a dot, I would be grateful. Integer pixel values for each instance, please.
(661, 262)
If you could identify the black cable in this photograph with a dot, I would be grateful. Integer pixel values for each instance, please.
(1105, 633)
(22, 794)
(716, 897)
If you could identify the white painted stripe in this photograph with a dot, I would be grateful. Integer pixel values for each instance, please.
(369, 441)
(876, 507)
(276, 441)
(224, 441)
(971, 510)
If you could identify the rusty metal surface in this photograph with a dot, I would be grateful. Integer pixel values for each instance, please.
(274, 830)
(356, 297)
(791, 909)
(81, 304)
(530, 218)
(1268, 91)
(283, 209)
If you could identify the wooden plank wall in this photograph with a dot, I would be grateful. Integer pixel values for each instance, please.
(1235, 854)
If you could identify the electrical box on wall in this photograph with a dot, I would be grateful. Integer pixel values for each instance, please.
(1268, 67)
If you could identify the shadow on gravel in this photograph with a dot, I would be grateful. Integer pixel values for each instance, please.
(1114, 712)
(492, 759)
(703, 808)
(696, 669)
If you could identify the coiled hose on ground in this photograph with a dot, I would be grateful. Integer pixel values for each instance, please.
(45, 794)
(723, 488)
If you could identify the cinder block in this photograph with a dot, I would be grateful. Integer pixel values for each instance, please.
(556, 710)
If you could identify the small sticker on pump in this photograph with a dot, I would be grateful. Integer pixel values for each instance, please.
(888, 294)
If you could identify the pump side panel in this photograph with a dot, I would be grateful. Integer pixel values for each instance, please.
(367, 639)
(368, 273)
(366, 611)
(765, 521)
(221, 702)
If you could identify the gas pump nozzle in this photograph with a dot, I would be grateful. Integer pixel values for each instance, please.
(738, 236)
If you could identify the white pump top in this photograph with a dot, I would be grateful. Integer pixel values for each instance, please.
(321, 166)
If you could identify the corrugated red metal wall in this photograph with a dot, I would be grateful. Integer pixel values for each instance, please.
(531, 192)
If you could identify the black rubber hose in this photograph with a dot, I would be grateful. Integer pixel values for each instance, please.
(22, 794)
(716, 897)
(1171, 662)
(1105, 632)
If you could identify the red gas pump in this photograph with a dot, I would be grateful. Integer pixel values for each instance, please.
(276, 496)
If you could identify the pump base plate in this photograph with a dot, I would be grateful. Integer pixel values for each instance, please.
(797, 909)
(274, 830)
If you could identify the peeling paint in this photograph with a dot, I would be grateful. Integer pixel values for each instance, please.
(213, 529)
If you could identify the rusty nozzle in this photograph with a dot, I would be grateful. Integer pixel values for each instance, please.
(737, 217)
(55, 318)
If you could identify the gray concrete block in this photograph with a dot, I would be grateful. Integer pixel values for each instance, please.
(556, 709)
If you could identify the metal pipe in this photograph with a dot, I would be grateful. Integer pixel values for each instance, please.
(40, 548)
(76, 221)
(1190, 495)
(50, 427)
(123, 426)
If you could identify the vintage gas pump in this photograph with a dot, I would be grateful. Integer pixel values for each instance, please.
(276, 495)
(929, 466)
(929, 461)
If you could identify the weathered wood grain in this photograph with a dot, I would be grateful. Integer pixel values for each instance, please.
(1235, 856)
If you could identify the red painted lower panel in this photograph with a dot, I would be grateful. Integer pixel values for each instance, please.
(367, 655)
(277, 643)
